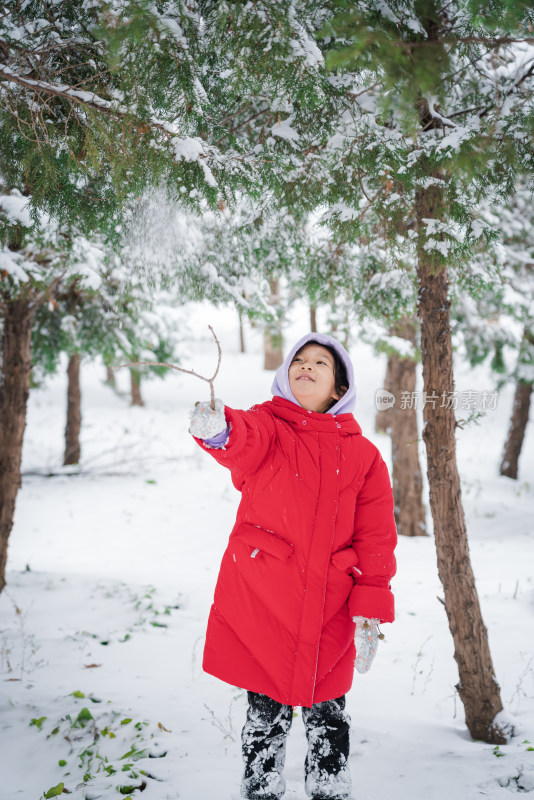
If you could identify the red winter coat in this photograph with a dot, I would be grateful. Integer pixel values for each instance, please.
(311, 547)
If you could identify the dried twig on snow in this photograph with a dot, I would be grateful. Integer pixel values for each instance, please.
(181, 369)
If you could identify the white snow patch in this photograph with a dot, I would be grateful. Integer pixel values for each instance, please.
(283, 130)
(188, 148)
(16, 207)
(13, 266)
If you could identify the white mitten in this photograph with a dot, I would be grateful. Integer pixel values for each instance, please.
(207, 422)
(366, 641)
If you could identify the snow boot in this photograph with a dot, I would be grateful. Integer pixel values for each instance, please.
(264, 747)
(327, 775)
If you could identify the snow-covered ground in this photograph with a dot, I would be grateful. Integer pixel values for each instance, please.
(111, 574)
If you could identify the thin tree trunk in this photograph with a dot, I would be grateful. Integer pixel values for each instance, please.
(477, 687)
(241, 332)
(410, 514)
(273, 338)
(313, 319)
(74, 412)
(135, 386)
(516, 431)
(110, 377)
(14, 391)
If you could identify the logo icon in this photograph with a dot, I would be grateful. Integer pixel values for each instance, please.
(384, 400)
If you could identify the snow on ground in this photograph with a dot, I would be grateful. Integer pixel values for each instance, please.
(111, 574)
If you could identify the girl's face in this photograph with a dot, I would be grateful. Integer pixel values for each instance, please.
(311, 378)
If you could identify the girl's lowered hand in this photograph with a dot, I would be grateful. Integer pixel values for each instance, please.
(366, 641)
(207, 422)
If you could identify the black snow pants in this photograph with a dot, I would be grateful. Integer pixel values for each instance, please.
(263, 739)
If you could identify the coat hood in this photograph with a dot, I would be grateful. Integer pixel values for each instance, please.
(280, 387)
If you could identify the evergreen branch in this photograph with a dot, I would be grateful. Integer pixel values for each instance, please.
(436, 117)
(362, 187)
(181, 369)
(527, 74)
(313, 148)
(86, 99)
(355, 95)
(446, 6)
(510, 91)
(465, 111)
(482, 111)
(40, 297)
(235, 114)
(470, 63)
(241, 124)
(91, 100)
(47, 48)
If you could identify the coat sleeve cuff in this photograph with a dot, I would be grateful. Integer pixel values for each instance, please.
(372, 602)
(236, 438)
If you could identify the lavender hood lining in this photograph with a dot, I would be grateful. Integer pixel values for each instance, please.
(280, 387)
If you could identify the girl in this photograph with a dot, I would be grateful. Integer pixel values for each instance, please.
(307, 566)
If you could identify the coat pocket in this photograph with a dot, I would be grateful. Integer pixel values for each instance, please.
(260, 539)
(346, 560)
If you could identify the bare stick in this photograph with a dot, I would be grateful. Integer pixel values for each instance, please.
(181, 369)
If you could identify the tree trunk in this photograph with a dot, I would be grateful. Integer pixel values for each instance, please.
(74, 413)
(313, 319)
(110, 377)
(241, 333)
(14, 391)
(135, 385)
(273, 338)
(410, 514)
(477, 687)
(516, 431)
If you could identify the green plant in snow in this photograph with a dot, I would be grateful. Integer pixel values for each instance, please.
(106, 751)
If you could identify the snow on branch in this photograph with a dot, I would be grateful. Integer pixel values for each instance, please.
(86, 99)
(184, 147)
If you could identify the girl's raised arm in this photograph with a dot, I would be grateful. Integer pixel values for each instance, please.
(239, 440)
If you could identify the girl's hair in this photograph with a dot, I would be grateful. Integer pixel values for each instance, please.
(341, 382)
